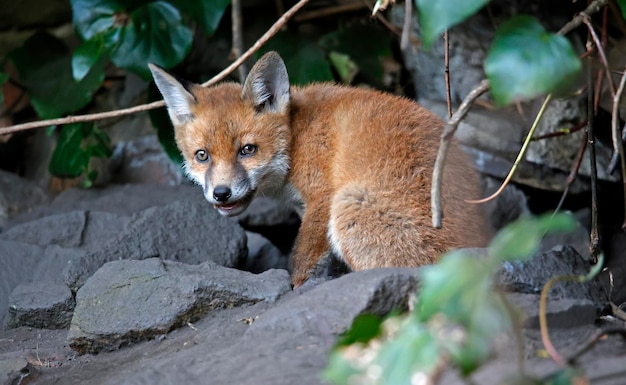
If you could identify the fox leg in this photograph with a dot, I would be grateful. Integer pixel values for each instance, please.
(311, 244)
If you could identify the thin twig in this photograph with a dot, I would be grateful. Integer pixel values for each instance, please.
(446, 71)
(150, 106)
(448, 133)
(617, 137)
(592, 8)
(594, 237)
(605, 63)
(406, 27)
(573, 172)
(237, 31)
(520, 155)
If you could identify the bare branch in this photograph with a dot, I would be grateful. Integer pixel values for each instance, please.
(616, 136)
(446, 137)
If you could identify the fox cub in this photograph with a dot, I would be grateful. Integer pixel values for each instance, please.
(355, 164)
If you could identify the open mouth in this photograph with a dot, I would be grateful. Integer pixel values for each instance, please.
(235, 207)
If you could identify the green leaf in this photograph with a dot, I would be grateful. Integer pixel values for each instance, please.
(525, 61)
(305, 61)
(45, 70)
(346, 68)
(366, 53)
(520, 239)
(3, 78)
(154, 33)
(435, 16)
(76, 145)
(413, 349)
(85, 57)
(364, 328)
(208, 13)
(94, 17)
(622, 5)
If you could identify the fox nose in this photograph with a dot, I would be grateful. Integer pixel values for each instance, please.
(221, 193)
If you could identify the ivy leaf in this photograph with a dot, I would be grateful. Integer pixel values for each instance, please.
(45, 70)
(85, 57)
(525, 61)
(154, 33)
(208, 13)
(3, 78)
(365, 53)
(346, 68)
(93, 17)
(520, 239)
(76, 145)
(306, 61)
(622, 5)
(435, 16)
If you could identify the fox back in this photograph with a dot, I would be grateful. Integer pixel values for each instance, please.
(355, 164)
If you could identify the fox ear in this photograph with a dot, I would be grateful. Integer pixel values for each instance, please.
(267, 85)
(177, 98)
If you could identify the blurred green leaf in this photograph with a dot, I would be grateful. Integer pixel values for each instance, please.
(346, 68)
(154, 33)
(364, 328)
(85, 57)
(525, 61)
(3, 78)
(520, 239)
(208, 13)
(94, 17)
(437, 16)
(306, 61)
(414, 349)
(365, 45)
(622, 5)
(45, 70)
(76, 145)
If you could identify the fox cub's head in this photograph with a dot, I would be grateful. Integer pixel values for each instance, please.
(234, 139)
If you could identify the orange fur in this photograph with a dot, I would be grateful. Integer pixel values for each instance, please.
(355, 163)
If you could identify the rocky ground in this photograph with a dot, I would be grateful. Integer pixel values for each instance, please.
(145, 284)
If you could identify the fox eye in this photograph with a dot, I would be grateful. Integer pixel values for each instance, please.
(202, 156)
(247, 150)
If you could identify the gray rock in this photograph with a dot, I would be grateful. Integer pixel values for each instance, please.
(263, 255)
(143, 160)
(41, 304)
(267, 212)
(560, 152)
(18, 260)
(128, 301)
(530, 276)
(18, 195)
(124, 200)
(562, 313)
(331, 307)
(62, 229)
(189, 231)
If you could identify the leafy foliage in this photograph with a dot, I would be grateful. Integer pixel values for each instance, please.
(43, 64)
(152, 32)
(525, 61)
(437, 16)
(457, 313)
(77, 144)
(622, 5)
